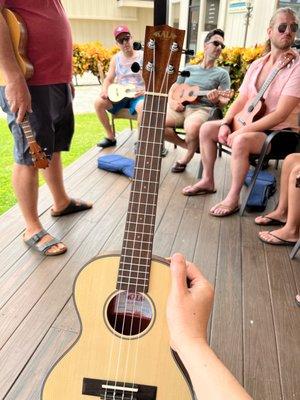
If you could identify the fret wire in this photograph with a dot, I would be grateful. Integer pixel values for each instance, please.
(130, 248)
(137, 272)
(135, 241)
(137, 213)
(132, 277)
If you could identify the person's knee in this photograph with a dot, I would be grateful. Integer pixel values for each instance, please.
(240, 146)
(100, 104)
(292, 159)
(295, 172)
(207, 131)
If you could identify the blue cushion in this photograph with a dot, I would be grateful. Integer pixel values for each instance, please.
(117, 163)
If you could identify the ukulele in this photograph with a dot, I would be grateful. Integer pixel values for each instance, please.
(255, 108)
(187, 94)
(123, 349)
(117, 92)
(38, 157)
(18, 34)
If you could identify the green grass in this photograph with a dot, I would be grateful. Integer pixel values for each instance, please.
(88, 132)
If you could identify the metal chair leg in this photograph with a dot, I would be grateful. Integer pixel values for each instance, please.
(295, 249)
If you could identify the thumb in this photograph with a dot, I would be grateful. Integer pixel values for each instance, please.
(178, 273)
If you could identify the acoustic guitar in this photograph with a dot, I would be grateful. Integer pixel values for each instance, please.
(18, 34)
(188, 94)
(123, 349)
(255, 108)
(117, 92)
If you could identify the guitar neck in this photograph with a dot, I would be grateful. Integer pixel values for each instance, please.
(139, 230)
(265, 86)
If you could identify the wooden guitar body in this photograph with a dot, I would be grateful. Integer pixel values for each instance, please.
(18, 35)
(101, 353)
(248, 115)
(188, 94)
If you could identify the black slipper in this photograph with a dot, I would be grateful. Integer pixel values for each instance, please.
(178, 167)
(42, 248)
(73, 207)
(106, 143)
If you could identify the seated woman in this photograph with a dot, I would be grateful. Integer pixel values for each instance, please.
(287, 212)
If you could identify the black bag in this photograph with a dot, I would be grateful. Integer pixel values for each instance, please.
(265, 187)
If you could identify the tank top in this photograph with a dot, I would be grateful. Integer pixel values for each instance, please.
(124, 75)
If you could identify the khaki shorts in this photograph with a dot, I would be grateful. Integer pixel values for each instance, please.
(188, 114)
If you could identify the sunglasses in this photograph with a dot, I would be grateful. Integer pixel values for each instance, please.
(124, 39)
(293, 27)
(216, 43)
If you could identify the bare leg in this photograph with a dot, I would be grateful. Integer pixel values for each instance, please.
(101, 105)
(54, 178)
(280, 213)
(25, 182)
(172, 137)
(290, 231)
(243, 145)
(192, 126)
(208, 143)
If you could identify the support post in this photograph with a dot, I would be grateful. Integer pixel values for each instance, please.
(160, 12)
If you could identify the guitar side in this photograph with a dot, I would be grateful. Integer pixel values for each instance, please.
(18, 33)
(147, 360)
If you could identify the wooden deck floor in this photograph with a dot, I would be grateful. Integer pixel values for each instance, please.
(255, 325)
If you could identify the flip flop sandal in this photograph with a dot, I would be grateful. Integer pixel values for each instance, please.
(107, 143)
(198, 192)
(271, 221)
(42, 248)
(281, 242)
(178, 167)
(227, 210)
(73, 207)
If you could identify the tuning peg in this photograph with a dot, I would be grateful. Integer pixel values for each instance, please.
(135, 67)
(137, 46)
(185, 74)
(188, 52)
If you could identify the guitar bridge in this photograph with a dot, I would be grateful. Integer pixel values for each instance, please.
(112, 390)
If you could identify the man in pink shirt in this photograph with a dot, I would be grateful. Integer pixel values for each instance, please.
(47, 98)
(282, 105)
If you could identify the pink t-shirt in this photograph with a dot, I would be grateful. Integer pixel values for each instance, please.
(49, 46)
(286, 83)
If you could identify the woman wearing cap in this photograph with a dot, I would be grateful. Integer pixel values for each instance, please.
(120, 72)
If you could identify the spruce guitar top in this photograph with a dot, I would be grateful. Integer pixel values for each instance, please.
(123, 350)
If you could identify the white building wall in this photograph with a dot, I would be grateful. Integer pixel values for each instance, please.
(93, 20)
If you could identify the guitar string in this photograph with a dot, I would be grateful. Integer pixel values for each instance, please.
(160, 107)
(146, 140)
(138, 212)
(113, 345)
(116, 307)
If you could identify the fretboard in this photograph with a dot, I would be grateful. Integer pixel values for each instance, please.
(134, 270)
(27, 130)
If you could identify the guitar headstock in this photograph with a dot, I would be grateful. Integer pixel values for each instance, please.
(228, 94)
(162, 52)
(39, 158)
(285, 59)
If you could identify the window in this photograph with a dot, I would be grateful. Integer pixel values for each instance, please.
(211, 15)
(192, 31)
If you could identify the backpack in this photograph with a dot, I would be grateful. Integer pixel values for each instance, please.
(265, 187)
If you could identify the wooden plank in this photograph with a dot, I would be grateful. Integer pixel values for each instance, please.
(261, 369)
(60, 337)
(286, 319)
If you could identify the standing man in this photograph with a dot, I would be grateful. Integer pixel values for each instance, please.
(207, 76)
(282, 107)
(47, 97)
(120, 72)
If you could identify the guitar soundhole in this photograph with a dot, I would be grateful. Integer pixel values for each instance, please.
(129, 314)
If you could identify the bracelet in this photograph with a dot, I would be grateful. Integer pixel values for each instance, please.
(225, 123)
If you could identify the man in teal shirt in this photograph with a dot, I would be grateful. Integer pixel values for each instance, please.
(207, 77)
